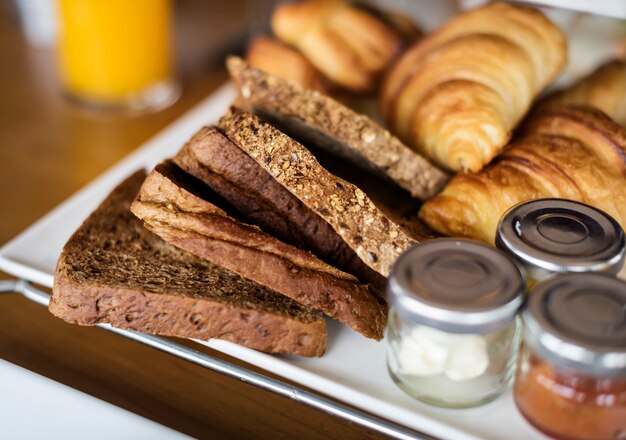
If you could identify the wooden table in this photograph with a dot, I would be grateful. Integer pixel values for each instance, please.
(48, 150)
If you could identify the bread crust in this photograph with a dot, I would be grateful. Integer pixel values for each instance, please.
(184, 317)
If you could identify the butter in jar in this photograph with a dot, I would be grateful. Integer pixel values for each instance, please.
(549, 236)
(452, 332)
(571, 378)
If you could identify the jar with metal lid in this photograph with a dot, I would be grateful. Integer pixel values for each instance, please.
(452, 332)
(571, 378)
(549, 236)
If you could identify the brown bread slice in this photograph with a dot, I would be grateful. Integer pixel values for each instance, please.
(310, 116)
(375, 238)
(188, 214)
(214, 159)
(114, 270)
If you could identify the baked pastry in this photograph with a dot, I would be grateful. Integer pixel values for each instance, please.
(457, 94)
(319, 120)
(374, 235)
(188, 214)
(565, 152)
(348, 45)
(113, 270)
(276, 58)
(604, 89)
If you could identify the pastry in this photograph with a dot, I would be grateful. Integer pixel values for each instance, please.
(457, 94)
(604, 89)
(574, 153)
(348, 45)
(276, 58)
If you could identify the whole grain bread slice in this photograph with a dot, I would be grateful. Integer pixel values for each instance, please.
(215, 160)
(374, 237)
(114, 270)
(310, 116)
(188, 214)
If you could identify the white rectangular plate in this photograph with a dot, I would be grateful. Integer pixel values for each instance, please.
(353, 370)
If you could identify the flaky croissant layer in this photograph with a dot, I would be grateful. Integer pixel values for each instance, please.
(565, 152)
(604, 89)
(457, 94)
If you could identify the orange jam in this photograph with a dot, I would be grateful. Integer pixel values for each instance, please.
(570, 405)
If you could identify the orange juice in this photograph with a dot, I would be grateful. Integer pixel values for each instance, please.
(113, 51)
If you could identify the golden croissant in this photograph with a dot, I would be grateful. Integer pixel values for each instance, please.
(604, 89)
(575, 153)
(276, 58)
(348, 45)
(456, 95)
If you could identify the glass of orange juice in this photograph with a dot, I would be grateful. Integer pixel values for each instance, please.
(117, 54)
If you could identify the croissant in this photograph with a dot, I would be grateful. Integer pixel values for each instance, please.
(574, 153)
(456, 95)
(604, 89)
(348, 45)
(278, 59)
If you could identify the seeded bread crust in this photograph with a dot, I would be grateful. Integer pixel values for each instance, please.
(376, 239)
(215, 160)
(331, 125)
(169, 208)
(113, 270)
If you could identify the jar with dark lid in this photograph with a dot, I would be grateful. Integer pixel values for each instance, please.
(549, 236)
(571, 379)
(452, 332)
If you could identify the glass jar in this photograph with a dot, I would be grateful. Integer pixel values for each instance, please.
(571, 379)
(452, 332)
(549, 236)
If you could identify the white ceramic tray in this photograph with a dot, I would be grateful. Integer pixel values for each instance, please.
(353, 369)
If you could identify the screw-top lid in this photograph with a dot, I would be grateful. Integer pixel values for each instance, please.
(556, 235)
(459, 286)
(579, 321)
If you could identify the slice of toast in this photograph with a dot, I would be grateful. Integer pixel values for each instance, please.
(113, 270)
(215, 160)
(188, 214)
(314, 118)
(373, 236)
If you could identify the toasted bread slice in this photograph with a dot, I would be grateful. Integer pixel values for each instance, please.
(186, 213)
(314, 118)
(113, 270)
(372, 234)
(214, 159)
